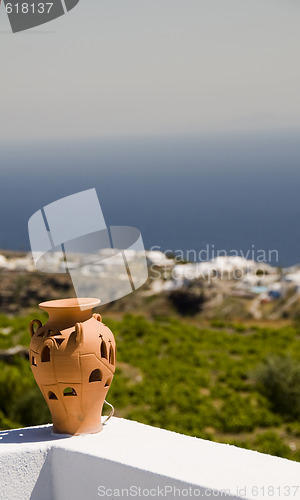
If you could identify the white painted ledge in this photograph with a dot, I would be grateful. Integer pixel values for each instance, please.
(132, 460)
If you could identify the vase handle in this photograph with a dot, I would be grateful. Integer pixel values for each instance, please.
(79, 333)
(97, 317)
(31, 325)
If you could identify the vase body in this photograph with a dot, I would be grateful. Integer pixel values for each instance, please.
(73, 359)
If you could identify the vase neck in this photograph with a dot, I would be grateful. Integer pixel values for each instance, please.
(65, 313)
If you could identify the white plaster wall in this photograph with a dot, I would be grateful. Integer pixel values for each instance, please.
(24, 454)
(128, 455)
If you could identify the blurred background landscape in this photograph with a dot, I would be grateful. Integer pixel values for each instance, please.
(213, 356)
(185, 117)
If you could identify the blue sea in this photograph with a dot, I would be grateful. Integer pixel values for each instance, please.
(237, 192)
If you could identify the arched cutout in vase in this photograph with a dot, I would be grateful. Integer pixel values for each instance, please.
(45, 356)
(95, 376)
(70, 391)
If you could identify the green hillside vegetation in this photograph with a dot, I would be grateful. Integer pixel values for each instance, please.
(231, 383)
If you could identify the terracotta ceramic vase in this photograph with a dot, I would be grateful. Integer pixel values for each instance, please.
(72, 359)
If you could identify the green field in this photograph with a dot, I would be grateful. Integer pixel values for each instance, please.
(231, 383)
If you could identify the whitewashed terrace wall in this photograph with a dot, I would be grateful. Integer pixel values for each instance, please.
(126, 456)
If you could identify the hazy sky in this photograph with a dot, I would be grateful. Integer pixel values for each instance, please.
(128, 67)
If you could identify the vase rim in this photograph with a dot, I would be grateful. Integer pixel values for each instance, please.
(82, 303)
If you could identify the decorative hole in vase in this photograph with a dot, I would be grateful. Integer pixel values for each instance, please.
(45, 356)
(108, 382)
(95, 376)
(103, 349)
(69, 391)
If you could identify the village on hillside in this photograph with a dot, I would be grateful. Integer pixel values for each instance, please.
(223, 282)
